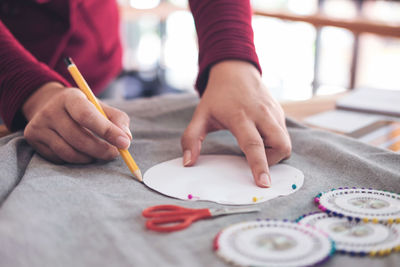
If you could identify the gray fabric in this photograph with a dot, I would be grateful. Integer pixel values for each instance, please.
(91, 215)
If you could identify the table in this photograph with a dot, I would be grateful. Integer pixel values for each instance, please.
(299, 110)
(93, 212)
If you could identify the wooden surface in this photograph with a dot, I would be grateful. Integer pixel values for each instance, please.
(299, 110)
(356, 25)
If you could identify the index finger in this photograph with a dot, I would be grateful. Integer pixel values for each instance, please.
(86, 115)
(252, 145)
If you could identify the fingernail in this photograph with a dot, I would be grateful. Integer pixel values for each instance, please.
(123, 142)
(127, 131)
(187, 156)
(265, 180)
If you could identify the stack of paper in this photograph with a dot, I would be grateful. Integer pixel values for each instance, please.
(370, 115)
(379, 101)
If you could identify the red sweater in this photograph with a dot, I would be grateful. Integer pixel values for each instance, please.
(35, 36)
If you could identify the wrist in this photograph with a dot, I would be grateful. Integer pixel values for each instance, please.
(40, 97)
(236, 71)
(235, 64)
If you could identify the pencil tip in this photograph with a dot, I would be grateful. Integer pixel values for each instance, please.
(138, 175)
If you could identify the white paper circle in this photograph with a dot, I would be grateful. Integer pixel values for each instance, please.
(222, 179)
(272, 243)
(355, 237)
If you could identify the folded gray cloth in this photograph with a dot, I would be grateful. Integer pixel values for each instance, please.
(90, 215)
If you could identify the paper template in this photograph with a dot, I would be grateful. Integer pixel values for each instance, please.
(223, 179)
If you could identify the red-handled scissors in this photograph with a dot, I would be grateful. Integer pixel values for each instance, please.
(169, 218)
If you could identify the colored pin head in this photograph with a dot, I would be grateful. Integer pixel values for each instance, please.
(294, 186)
(256, 199)
(192, 197)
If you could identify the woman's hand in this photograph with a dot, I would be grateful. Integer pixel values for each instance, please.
(236, 99)
(63, 126)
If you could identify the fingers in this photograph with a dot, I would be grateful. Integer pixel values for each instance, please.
(275, 138)
(46, 152)
(252, 145)
(192, 139)
(87, 116)
(83, 140)
(68, 128)
(56, 149)
(119, 118)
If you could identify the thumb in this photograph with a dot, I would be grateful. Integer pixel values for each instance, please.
(192, 139)
(119, 118)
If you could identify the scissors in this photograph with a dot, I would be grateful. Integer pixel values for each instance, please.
(169, 218)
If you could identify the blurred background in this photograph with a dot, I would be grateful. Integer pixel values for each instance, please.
(306, 48)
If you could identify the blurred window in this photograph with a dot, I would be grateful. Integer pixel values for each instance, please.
(292, 59)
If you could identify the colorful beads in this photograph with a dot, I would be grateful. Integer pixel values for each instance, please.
(327, 211)
(255, 199)
(324, 202)
(294, 186)
(190, 196)
(372, 253)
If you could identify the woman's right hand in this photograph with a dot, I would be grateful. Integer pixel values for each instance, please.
(63, 126)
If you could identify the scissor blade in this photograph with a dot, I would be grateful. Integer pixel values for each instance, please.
(226, 211)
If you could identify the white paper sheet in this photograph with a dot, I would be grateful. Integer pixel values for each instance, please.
(372, 100)
(222, 179)
(342, 120)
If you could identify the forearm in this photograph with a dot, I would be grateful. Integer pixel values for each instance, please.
(224, 32)
(20, 76)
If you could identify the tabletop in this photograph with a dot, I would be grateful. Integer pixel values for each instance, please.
(91, 215)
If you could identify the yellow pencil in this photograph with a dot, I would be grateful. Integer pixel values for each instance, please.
(82, 84)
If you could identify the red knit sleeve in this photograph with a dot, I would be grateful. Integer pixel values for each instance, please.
(224, 32)
(20, 75)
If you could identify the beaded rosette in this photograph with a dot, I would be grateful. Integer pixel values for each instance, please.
(360, 204)
(356, 238)
(273, 243)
